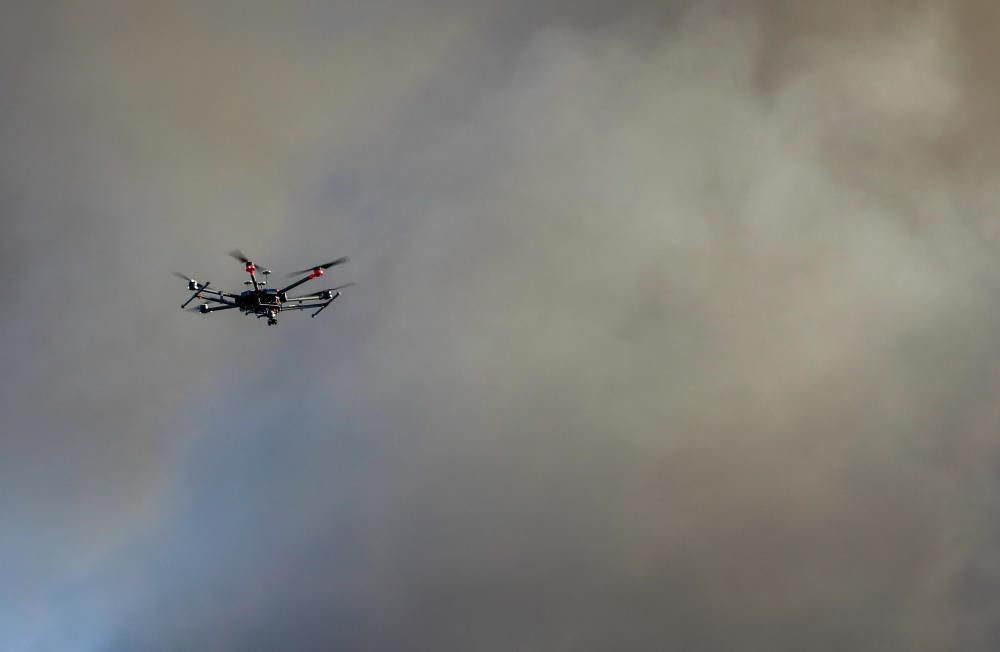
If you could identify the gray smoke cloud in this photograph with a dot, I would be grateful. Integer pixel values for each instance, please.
(674, 326)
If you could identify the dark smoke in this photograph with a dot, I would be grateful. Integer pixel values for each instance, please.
(674, 327)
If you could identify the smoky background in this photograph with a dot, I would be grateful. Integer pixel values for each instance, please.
(674, 326)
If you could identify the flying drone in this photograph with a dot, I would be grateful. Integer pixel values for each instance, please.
(263, 301)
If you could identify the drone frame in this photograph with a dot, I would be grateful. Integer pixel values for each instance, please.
(263, 301)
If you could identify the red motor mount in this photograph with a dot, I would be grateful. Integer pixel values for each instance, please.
(251, 268)
(317, 272)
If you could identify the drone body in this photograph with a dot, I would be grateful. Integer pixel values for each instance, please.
(263, 301)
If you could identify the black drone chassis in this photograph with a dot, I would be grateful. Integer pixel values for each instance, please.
(263, 301)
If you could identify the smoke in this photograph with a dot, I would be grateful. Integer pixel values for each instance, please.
(673, 327)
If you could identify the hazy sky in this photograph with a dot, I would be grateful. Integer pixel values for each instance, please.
(676, 326)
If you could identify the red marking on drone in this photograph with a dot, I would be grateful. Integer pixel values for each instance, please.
(251, 268)
(317, 272)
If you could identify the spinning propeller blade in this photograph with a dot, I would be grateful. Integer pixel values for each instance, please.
(239, 255)
(339, 261)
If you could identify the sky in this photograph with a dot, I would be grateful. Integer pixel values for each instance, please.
(674, 327)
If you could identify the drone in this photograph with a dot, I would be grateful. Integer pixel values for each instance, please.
(263, 301)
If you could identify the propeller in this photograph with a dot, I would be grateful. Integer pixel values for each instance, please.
(192, 284)
(339, 261)
(239, 255)
(312, 297)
